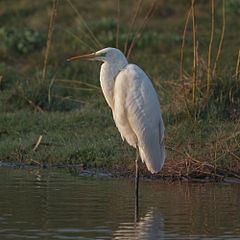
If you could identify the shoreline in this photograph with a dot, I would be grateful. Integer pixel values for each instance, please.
(78, 170)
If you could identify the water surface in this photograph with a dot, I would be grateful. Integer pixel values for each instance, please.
(54, 204)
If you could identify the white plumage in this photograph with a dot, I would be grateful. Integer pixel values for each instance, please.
(134, 103)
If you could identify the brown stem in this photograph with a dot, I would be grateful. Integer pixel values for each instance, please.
(49, 40)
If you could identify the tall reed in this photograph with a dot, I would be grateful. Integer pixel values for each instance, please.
(181, 63)
(145, 19)
(210, 51)
(194, 56)
(118, 22)
(221, 39)
(49, 40)
(131, 25)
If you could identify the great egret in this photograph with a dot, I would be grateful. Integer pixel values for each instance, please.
(135, 107)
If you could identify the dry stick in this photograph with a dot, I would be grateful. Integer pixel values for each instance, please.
(38, 142)
(50, 32)
(146, 18)
(131, 25)
(98, 44)
(31, 102)
(237, 66)
(221, 40)
(194, 56)
(210, 51)
(181, 64)
(118, 16)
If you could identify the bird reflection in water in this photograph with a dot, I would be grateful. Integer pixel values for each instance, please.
(148, 227)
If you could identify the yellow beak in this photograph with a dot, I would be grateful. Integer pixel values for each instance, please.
(87, 56)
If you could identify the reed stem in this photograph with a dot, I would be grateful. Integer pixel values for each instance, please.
(131, 25)
(145, 19)
(118, 22)
(181, 64)
(210, 51)
(221, 40)
(194, 57)
(49, 40)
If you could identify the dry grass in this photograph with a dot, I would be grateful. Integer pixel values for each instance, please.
(131, 25)
(147, 17)
(49, 40)
(210, 51)
(237, 66)
(181, 64)
(194, 56)
(221, 39)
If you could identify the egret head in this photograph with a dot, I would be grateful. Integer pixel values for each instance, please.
(111, 55)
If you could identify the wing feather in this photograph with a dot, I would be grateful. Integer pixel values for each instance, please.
(137, 115)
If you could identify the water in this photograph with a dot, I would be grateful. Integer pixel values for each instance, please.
(52, 204)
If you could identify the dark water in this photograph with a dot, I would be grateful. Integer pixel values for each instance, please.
(53, 204)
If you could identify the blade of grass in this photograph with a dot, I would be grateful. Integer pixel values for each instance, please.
(221, 39)
(145, 19)
(181, 64)
(118, 22)
(132, 24)
(94, 38)
(237, 66)
(194, 56)
(79, 82)
(75, 88)
(49, 40)
(78, 38)
(210, 51)
(70, 99)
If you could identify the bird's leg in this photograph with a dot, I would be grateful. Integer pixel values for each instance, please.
(137, 183)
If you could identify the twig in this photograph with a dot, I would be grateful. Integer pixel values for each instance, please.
(50, 32)
(145, 19)
(35, 161)
(234, 155)
(210, 51)
(221, 40)
(30, 102)
(118, 22)
(181, 65)
(38, 142)
(98, 44)
(131, 25)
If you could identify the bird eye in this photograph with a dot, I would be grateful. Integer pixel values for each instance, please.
(103, 54)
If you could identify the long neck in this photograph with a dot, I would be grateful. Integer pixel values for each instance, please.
(107, 79)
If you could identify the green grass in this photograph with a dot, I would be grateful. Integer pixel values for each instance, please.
(76, 123)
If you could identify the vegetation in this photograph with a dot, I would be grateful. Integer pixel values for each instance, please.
(53, 113)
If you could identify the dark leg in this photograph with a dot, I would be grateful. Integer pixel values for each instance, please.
(137, 183)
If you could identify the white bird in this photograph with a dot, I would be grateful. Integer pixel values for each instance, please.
(135, 107)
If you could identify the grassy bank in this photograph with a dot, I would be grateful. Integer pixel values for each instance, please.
(64, 119)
